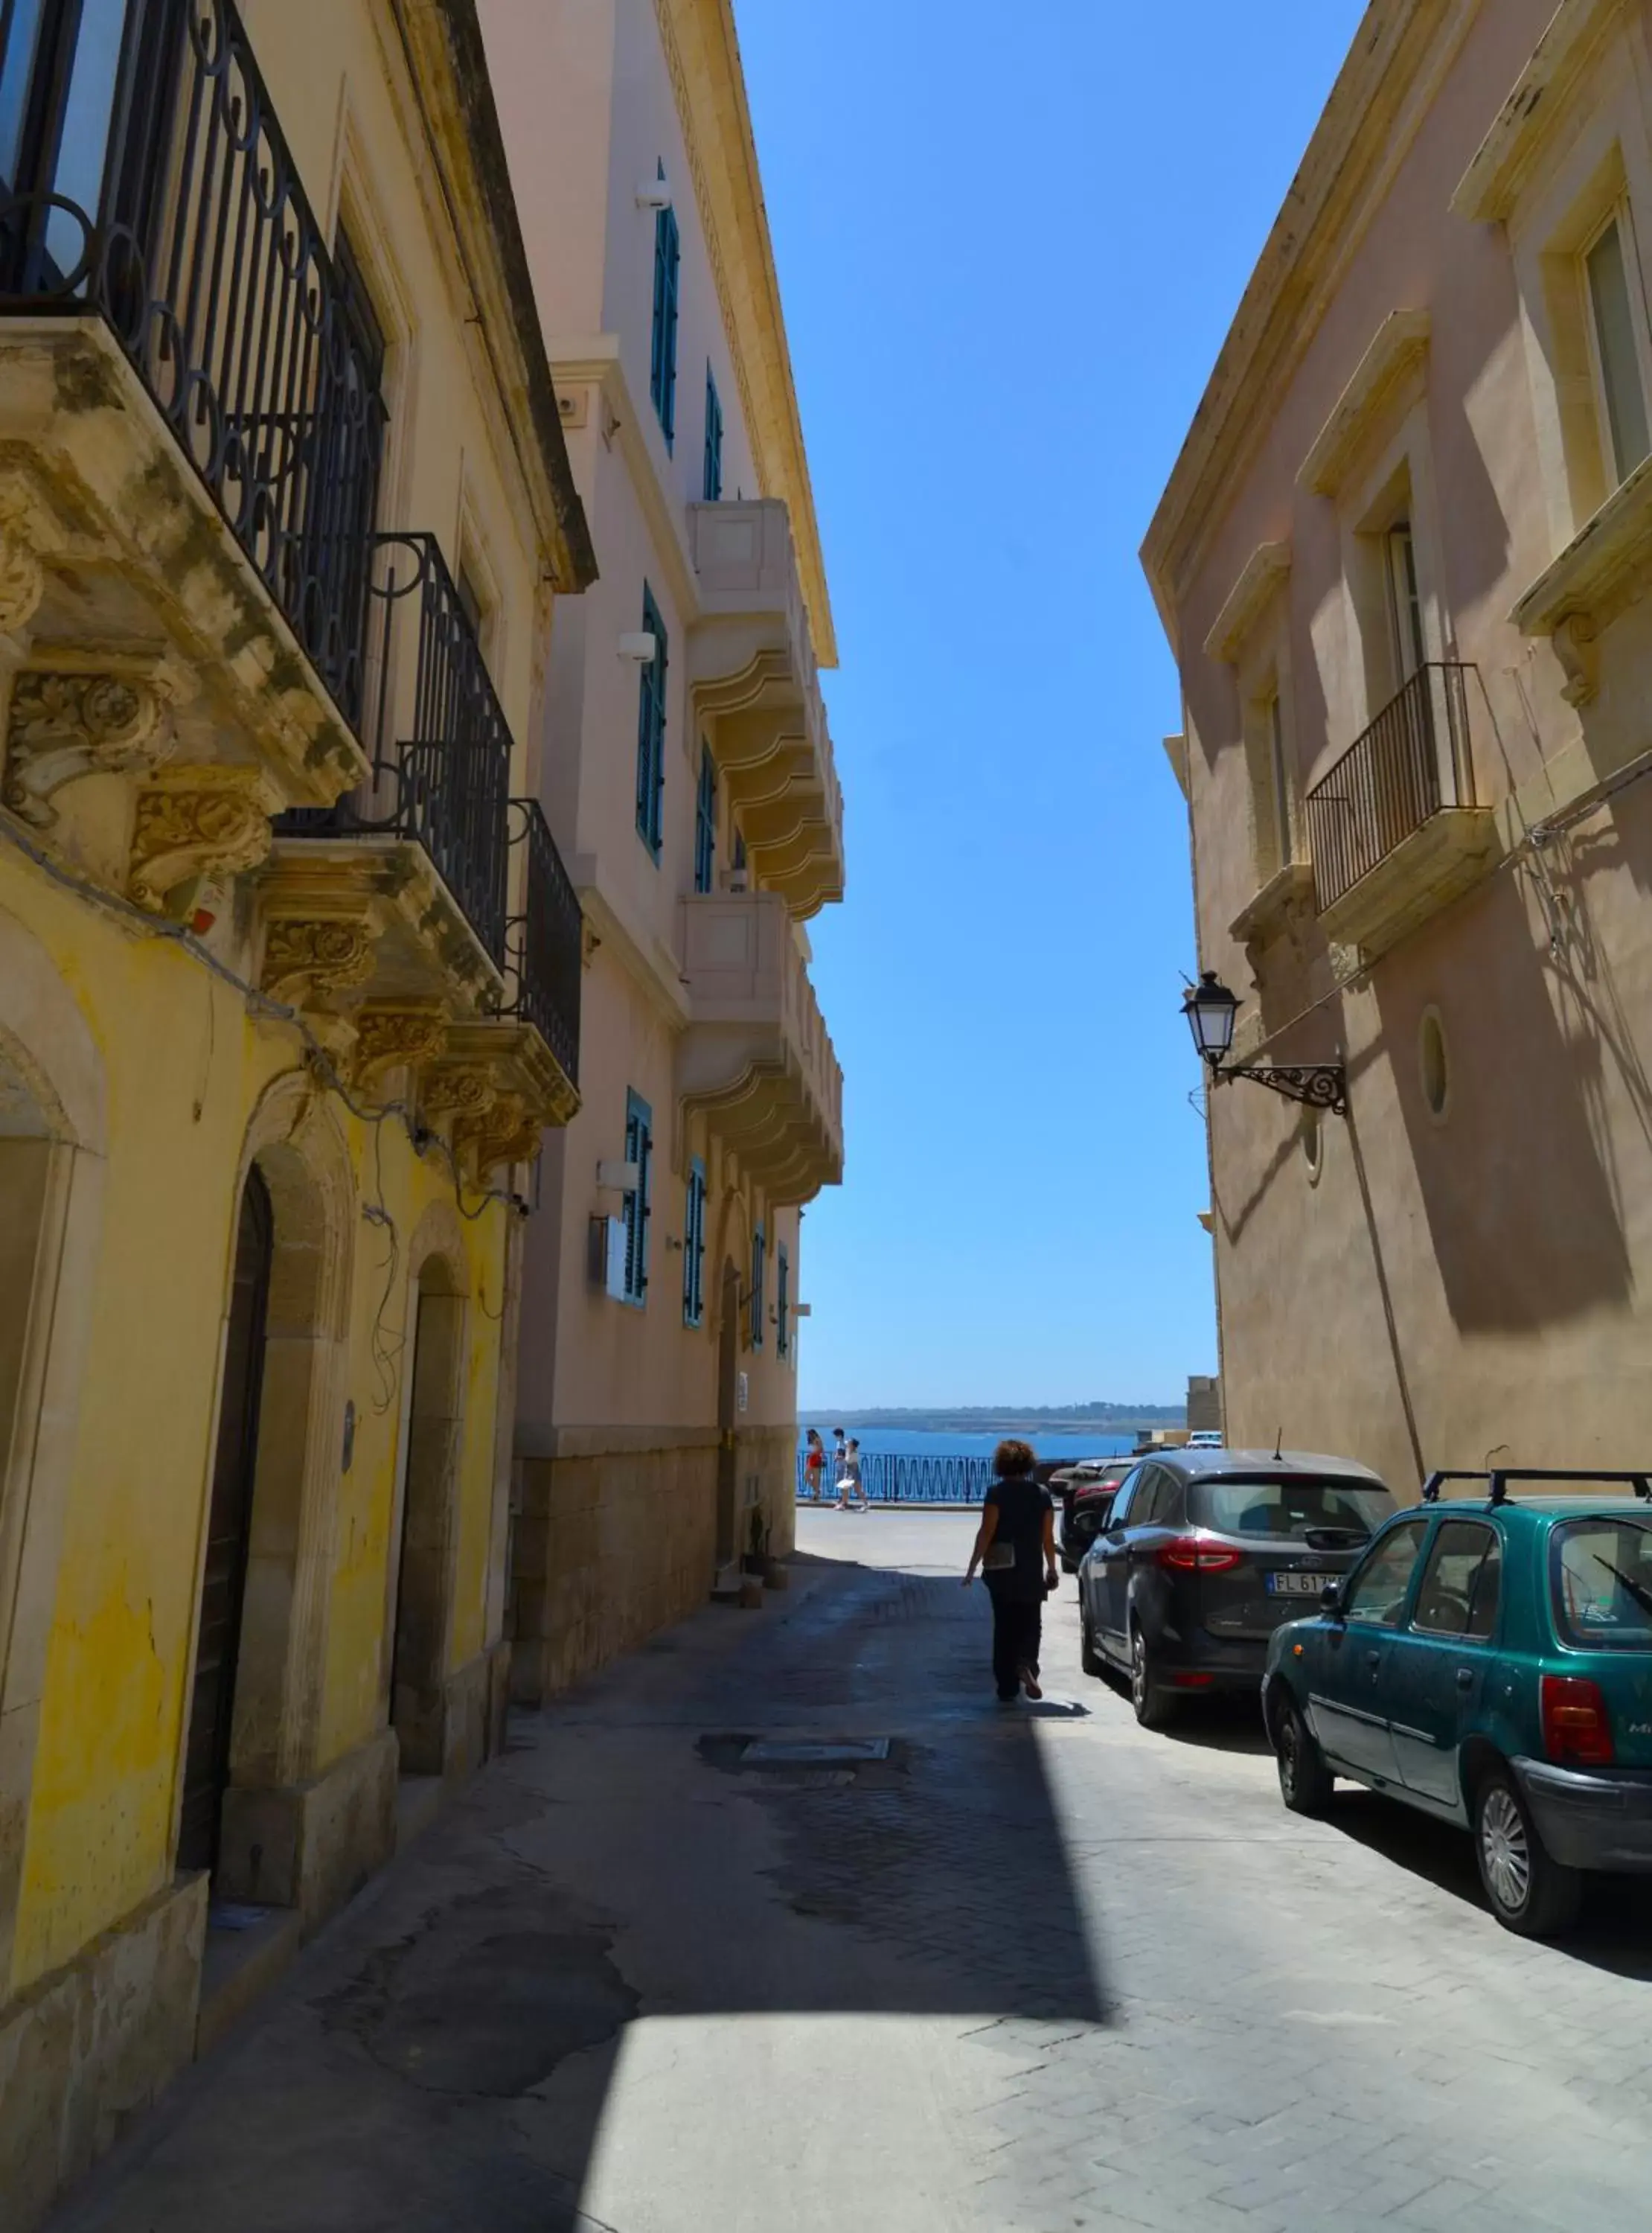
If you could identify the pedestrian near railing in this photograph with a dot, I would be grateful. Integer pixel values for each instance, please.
(908, 1477)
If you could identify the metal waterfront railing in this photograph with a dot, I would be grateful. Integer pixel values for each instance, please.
(440, 743)
(543, 963)
(145, 177)
(908, 1477)
(1413, 761)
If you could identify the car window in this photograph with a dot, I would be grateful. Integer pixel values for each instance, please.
(1128, 1489)
(1147, 1505)
(1600, 1580)
(1292, 1504)
(1462, 1581)
(1378, 1591)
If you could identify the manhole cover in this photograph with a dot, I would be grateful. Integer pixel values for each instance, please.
(768, 1753)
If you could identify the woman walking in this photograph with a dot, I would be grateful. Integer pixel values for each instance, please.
(813, 1465)
(851, 1491)
(1015, 1550)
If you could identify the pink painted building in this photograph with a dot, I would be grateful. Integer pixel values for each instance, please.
(689, 782)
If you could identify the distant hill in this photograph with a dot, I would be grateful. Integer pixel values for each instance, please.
(1007, 1419)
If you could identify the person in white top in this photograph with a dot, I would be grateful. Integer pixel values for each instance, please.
(850, 1491)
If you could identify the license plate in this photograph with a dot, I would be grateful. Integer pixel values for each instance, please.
(1299, 1585)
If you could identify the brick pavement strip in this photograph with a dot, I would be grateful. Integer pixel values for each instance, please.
(1039, 1972)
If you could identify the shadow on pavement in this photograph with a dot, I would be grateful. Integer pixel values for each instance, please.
(442, 2059)
(1232, 1724)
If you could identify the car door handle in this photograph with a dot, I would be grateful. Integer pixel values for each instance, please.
(1373, 1660)
(1465, 1678)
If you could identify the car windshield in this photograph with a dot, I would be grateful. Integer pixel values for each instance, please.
(1601, 1581)
(1294, 1504)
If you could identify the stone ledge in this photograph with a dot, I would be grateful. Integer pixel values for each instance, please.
(1425, 872)
(312, 1845)
(84, 2048)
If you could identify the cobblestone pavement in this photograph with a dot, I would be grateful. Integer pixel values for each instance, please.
(1033, 1970)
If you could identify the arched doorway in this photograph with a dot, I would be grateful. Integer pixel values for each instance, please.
(229, 1534)
(728, 1384)
(424, 1555)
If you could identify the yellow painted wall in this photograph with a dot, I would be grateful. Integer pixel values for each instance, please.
(173, 1036)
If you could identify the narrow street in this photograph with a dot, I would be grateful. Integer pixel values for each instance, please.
(1032, 1969)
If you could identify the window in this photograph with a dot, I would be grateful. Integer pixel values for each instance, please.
(651, 730)
(1601, 1577)
(1405, 606)
(705, 822)
(694, 1246)
(1295, 1505)
(1284, 844)
(639, 1149)
(712, 478)
(1617, 359)
(662, 359)
(1129, 1489)
(737, 859)
(1461, 1582)
(1381, 1586)
(755, 1329)
(783, 1303)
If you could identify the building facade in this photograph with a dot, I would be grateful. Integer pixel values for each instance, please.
(701, 821)
(1402, 560)
(289, 974)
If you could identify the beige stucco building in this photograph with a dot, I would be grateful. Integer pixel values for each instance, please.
(289, 986)
(701, 821)
(1402, 560)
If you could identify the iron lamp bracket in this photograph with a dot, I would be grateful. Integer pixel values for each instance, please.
(1317, 1084)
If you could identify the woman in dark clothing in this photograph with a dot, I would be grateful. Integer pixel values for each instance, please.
(1015, 1549)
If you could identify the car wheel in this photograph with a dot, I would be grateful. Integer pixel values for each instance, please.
(1089, 1657)
(1306, 1783)
(1154, 1705)
(1529, 1893)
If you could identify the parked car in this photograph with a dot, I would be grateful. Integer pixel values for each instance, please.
(1204, 1553)
(1087, 1505)
(1489, 1662)
(1205, 1438)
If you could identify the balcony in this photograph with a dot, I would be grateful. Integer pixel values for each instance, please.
(755, 1067)
(192, 425)
(1394, 829)
(756, 693)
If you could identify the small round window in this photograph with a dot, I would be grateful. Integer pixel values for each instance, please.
(1313, 1144)
(1432, 1063)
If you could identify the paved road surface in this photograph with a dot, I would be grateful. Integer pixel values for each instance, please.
(1034, 1970)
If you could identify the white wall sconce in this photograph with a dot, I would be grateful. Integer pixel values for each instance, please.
(618, 1177)
(640, 647)
(653, 194)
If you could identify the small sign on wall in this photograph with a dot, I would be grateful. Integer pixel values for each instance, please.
(742, 1391)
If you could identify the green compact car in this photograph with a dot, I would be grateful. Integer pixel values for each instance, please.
(1489, 1661)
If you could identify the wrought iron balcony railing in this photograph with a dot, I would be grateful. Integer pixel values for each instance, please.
(543, 958)
(144, 177)
(1413, 762)
(433, 723)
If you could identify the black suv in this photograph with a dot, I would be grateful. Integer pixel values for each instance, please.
(1087, 1491)
(1204, 1553)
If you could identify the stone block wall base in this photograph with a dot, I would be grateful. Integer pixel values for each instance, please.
(312, 1845)
(498, 1659)
(84, 2049)
(608, 1547)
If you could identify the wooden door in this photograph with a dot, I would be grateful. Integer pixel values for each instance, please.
(206, 1759)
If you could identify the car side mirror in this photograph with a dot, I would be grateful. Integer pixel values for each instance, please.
(1330, 1599)
(1115, 1534)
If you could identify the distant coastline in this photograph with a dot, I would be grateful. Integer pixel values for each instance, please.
(1008, 1419)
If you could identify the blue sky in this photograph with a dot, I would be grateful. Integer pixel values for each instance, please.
(1010, 242)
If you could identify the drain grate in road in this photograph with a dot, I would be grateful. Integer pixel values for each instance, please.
(766, 1752)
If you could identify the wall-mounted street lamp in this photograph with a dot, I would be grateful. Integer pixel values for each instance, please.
(1210, 1009)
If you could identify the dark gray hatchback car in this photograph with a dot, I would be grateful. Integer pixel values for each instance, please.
(1206, 1553)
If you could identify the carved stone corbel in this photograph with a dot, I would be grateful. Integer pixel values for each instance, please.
(507, 1134)
(198, 822)
(310, 959)
(1574, 638)
(65, 723)
(466, 1092)
(391, 1038)
(23, 578)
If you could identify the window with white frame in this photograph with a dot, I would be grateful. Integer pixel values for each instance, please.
(1613, 314)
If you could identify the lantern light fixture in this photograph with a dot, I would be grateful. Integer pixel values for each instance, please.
(1211, 1010)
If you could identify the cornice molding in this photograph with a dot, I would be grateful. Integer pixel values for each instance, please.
(1398, 350)
(1400, 55)
(1266, 571)
(1535, 110)
(702, 62)
(1603, 569)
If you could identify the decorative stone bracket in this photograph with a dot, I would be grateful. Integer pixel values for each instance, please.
(309, 960)
(196, 822)
(86, 716)
(390, 1037)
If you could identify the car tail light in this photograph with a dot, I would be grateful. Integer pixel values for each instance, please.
(1190, 1682)
(1576, 1728)
(1191, 1554)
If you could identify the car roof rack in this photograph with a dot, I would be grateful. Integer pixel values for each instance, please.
(1500, 1476)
